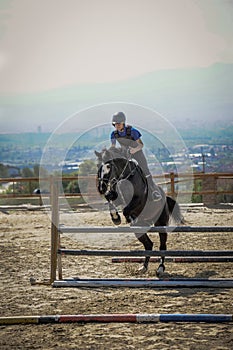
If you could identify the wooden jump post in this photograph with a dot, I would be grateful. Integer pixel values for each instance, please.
(55, 236)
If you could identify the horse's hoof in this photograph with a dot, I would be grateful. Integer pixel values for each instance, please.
(160, 270)
(116, 220)
(142, 270)
(128, 219)
(131, 219)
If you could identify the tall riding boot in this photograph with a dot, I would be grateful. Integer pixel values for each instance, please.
(153, 190)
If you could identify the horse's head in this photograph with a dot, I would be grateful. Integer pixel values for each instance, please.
(104, 171)
(103, 177)
(107, 175)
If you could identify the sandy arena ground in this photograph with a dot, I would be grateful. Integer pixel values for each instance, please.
(25, 252)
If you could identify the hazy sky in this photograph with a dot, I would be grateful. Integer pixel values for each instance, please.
(50, 44)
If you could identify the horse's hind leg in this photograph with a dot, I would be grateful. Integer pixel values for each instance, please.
(163, 246)
(148, 245)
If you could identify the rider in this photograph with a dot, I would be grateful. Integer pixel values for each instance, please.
(130, 138)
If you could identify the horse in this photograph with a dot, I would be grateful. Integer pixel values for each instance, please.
(121, 181)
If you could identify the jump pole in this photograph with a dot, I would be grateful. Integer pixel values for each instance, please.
(144, 229)
(144, 283)
(118, 318)
(133, 253)
(195, 259)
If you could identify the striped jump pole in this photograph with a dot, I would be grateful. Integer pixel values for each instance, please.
(195, 259)
(119, 318)
(144, 283)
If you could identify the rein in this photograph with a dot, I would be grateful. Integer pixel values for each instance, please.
(115, 180)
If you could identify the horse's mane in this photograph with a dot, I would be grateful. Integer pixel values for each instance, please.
(113, 153)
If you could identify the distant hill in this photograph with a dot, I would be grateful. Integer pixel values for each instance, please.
(183, 96)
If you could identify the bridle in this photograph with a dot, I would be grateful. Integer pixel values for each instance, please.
(111, 183)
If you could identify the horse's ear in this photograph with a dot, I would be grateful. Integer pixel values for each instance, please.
(98, 155)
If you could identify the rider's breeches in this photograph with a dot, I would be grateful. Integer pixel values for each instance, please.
(142, 162)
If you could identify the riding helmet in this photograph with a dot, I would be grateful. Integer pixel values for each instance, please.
(118, 117)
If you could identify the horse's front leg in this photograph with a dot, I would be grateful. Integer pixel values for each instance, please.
(116, 219)
(131, 213)
(148, 245)
(163, 246)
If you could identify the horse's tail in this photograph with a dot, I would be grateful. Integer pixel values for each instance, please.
(174, 210)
